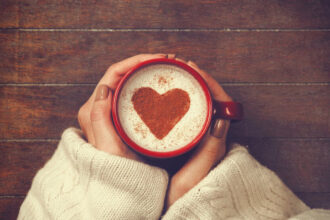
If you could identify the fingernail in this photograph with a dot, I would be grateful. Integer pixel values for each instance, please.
(218, 128)
(181, 60)
(192, 63)
(102, 92)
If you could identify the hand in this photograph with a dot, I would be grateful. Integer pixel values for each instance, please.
(94, 116)
(210, 151)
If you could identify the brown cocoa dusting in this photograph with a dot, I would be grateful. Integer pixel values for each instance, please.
(123, 94)
(160, 112)
(139, 129)
(162, 81)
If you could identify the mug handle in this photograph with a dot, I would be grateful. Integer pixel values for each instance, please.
(228, 110)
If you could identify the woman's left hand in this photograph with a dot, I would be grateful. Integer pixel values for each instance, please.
(95, 115)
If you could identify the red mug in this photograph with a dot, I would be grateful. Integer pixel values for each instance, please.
(215, 109)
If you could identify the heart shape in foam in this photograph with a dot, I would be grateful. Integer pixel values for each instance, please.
(160, 112)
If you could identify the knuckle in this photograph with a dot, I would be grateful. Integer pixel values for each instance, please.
(211, 152)
(82, 113)
(141, 55)
(113, 71)
(182, 184)
(97, 113)
(113, 67)
(212, 147)
(83, 119)
(229, 97)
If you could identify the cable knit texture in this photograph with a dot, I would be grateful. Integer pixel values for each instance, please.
(239, 188)
(80, 182)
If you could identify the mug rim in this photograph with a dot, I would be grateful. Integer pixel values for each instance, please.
(148, 152)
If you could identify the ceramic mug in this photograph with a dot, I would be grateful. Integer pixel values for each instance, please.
(215, 109)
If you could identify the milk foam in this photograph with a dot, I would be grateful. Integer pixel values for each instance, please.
(162, 78)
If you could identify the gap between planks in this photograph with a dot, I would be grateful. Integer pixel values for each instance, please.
(165, 29)
(12, 196)
(265, 138)
(223, 84)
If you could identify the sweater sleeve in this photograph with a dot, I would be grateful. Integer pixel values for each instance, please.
(241, 188)
(81, 182)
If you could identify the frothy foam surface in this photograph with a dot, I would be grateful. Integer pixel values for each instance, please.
(162, 78)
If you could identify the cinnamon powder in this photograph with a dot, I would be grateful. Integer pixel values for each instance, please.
(139, 129)
(160, 112)
(162, 80)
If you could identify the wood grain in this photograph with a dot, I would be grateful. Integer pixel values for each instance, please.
(282, 111)
(39, 112)
(165, 14)
(9, 207)
(297, 162)
(270, 111)
(20, 163)
(83, 57)
(273, 56)
(315, 200)
(302, 165)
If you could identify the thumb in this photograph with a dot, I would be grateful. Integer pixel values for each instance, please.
(209, 153)
(104, 132)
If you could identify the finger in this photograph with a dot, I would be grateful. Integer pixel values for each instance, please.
(181, 60)
(217, 91)
(209, 153)
(117, 70)
(104, 132)
(85, 124)
(213, 146)
(170, 56)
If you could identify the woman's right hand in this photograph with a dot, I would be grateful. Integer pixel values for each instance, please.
(209, 152)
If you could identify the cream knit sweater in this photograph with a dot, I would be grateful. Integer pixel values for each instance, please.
(80, 182)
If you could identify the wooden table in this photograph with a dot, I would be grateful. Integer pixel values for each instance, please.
(273, 56)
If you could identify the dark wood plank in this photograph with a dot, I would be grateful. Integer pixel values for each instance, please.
(9, 207)
(39, 112)
(19, 163)
(83, 57)
(282, 111)
(315, 200)
(302, 165)
(165, 14)
(8, 57)
(270, 111)
(9, 14)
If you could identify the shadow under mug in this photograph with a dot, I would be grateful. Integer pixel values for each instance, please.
(215, 109)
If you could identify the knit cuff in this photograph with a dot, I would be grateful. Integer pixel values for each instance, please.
(80, 180)
(86, 159)
(144, 184)
(238, 187)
